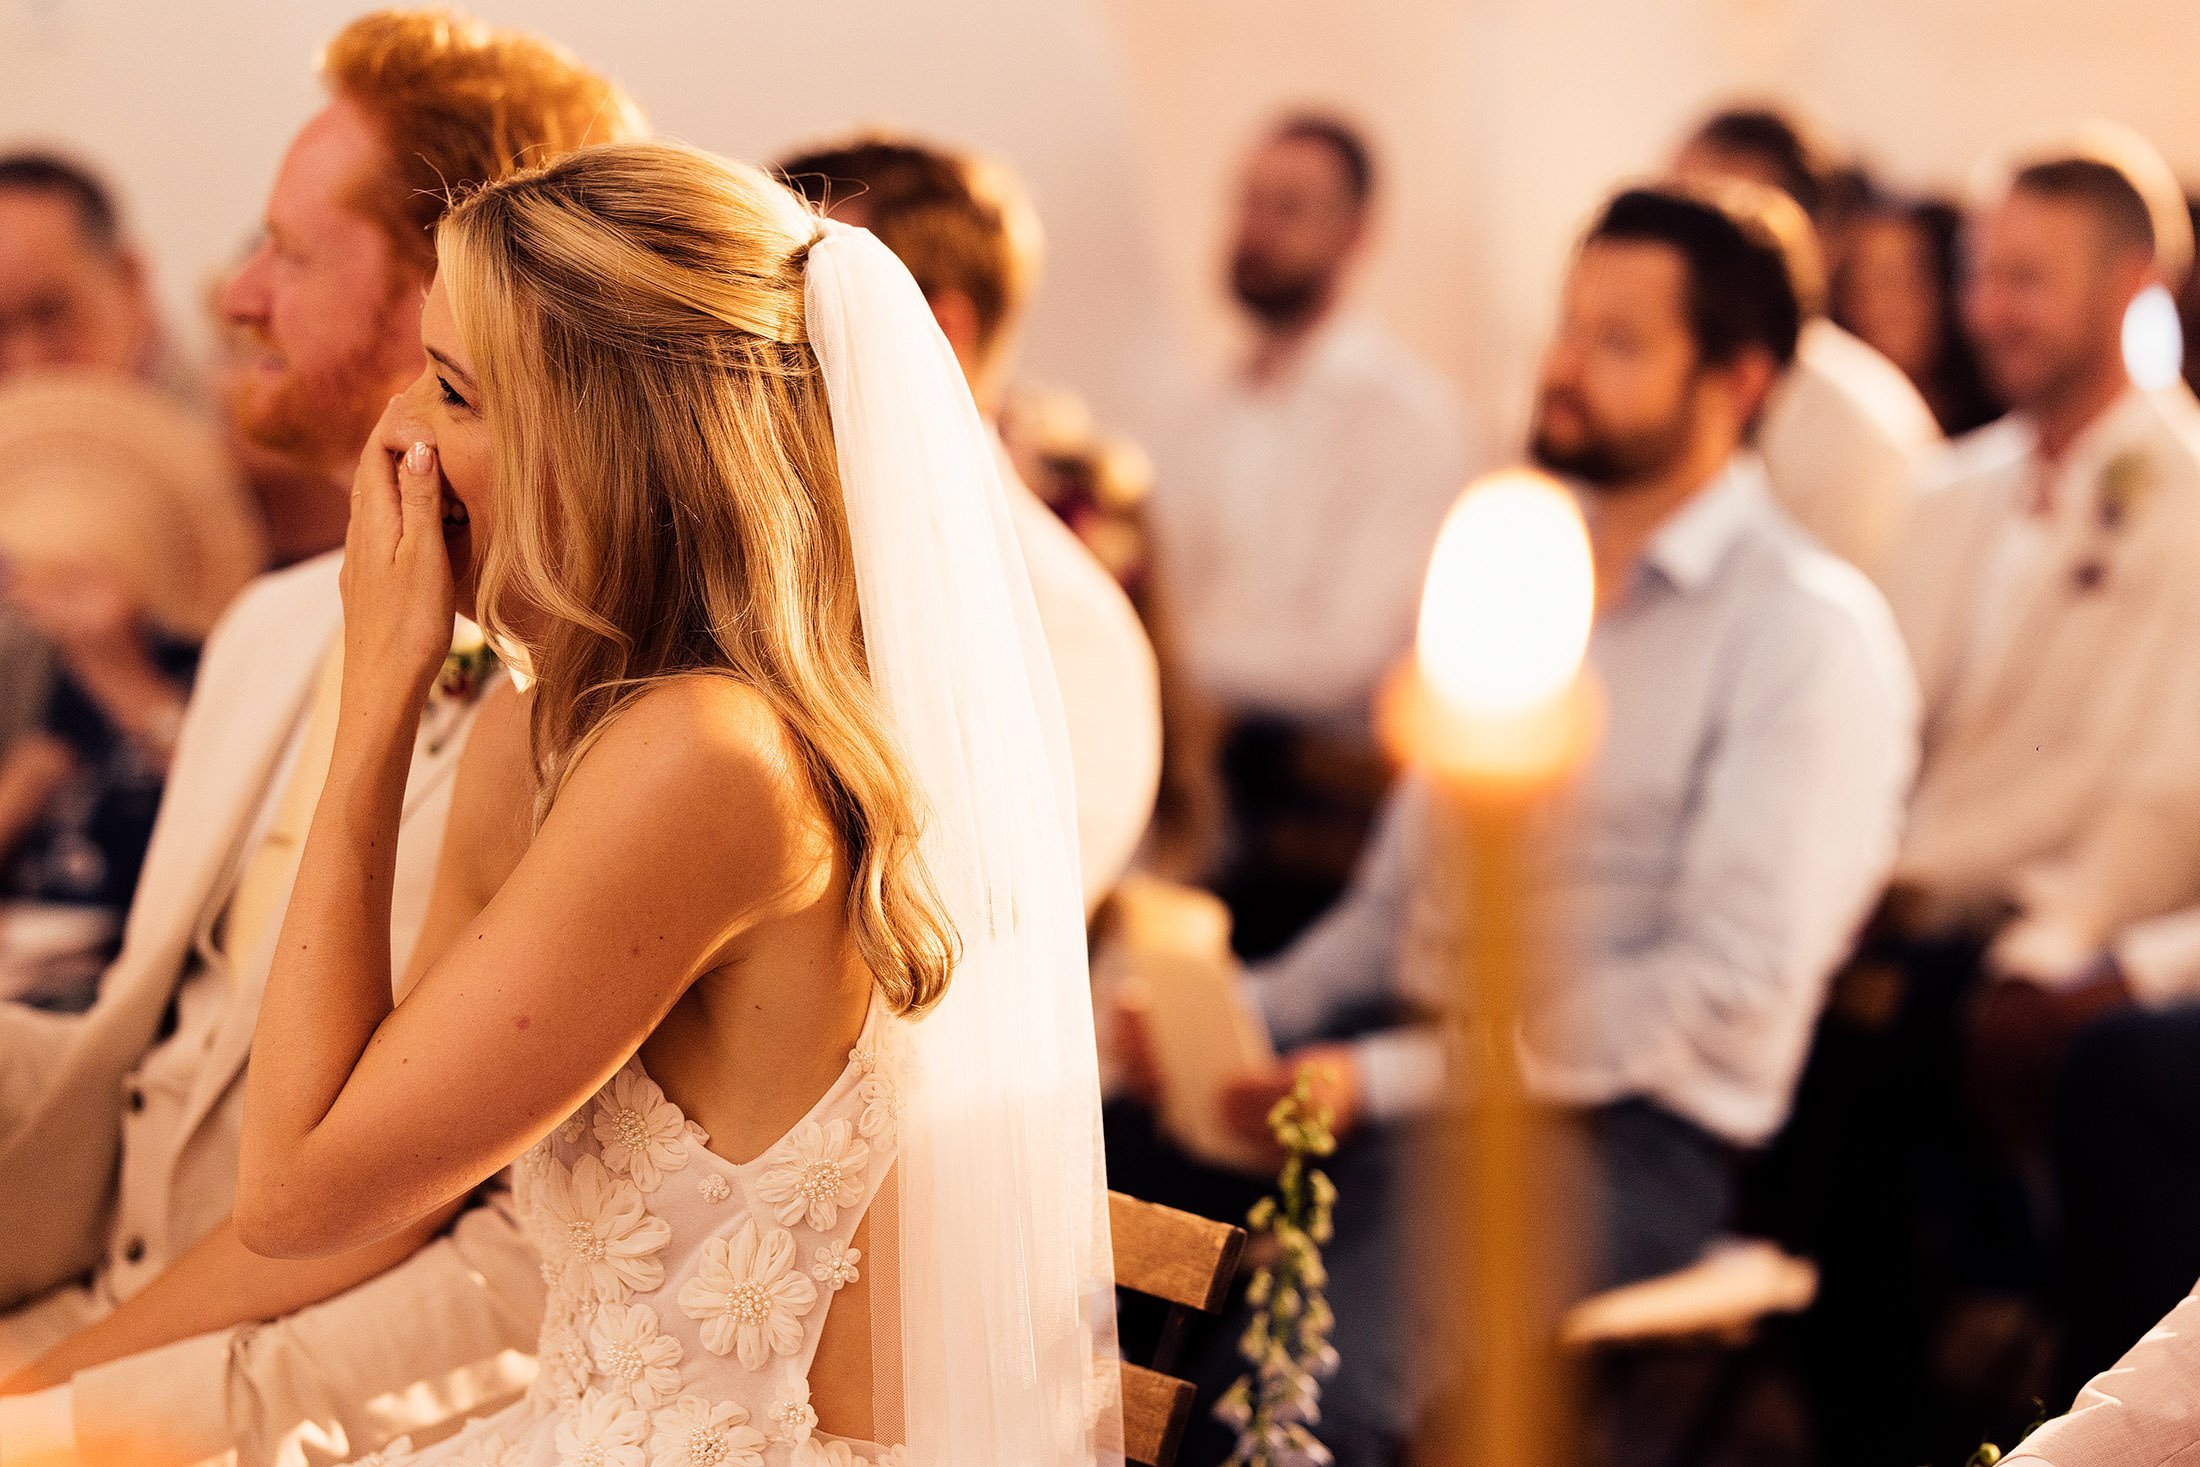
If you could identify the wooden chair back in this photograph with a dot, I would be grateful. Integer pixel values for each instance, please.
(1187, 1262)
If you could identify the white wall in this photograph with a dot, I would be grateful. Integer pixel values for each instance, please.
(1501, 121)
(1504, 121)
(190, 106)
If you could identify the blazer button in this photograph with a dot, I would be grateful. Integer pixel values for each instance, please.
(134, 1251)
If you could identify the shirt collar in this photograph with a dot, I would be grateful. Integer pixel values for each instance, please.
(2106, 432)
(1688, 548)
(1343, 337)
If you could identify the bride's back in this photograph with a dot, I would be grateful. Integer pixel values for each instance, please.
(666, 524)
(667, 547)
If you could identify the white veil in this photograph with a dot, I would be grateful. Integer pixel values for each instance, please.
(989, 1259)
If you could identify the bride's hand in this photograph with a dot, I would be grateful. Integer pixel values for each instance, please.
(397, 584)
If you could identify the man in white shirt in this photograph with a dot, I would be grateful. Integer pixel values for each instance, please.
(2051, 597)
(1732, 829)
(970, 238)
(1295, 504)
(2049, 590)
(1846, 433)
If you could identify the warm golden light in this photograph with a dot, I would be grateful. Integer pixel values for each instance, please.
(1495, 690)
(1505, 616)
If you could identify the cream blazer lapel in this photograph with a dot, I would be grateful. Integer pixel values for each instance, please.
(58, 1153)
(436, 752)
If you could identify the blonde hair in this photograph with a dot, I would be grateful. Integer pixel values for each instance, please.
(459, 103)
(667, 489)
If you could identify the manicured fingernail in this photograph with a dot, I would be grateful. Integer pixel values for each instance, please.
(420, 457)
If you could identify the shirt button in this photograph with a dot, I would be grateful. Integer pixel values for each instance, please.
(134, 1251)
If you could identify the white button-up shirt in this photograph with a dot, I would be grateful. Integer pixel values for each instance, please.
(1731, 832)
(1295, 517)
(2053, 611)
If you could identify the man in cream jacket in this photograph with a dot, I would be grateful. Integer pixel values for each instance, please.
(138, 1329)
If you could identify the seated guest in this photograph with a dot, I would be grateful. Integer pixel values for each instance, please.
(112, 499)
(1846, 434)
(1296, 503)
(1735, 823)
(1102, 488)
(75, 294)
(138, 1327)
(1899, 291)
(2049, 590)
(74, 291)
(967, 233)
(2102, 961)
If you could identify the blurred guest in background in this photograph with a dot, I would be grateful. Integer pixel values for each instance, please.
(1846, 435)
(1102, 487)
(2049, 585)
(75, 295)
(1739, 816)
(971, 239)
(140, 1328)
(125, 534)
(74, 291)
(1296, 506)
(2049, 590)
(115, 491)
(1899, 291)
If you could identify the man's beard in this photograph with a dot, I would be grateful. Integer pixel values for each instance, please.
(1604, 460)
(2061, 376)
(1276, 300)
(322, 425)
(323, 420)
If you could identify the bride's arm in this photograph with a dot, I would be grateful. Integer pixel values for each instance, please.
(686, 821)
(219, 1283)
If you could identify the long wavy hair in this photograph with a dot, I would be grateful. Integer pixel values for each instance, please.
(667, 494)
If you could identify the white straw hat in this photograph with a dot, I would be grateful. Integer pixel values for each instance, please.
(98, 467)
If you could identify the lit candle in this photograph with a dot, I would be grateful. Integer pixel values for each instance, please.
(1496, 709)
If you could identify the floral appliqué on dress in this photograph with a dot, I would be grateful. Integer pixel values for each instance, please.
(747, 1295)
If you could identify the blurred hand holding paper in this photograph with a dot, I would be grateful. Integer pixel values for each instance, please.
(1201, 1025)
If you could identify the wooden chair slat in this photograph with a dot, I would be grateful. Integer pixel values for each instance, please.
(1156, 1409)
(1171, 1255)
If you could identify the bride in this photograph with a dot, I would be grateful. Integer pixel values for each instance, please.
(757, 942)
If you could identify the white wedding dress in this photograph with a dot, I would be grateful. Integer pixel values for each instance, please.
(687, 1294)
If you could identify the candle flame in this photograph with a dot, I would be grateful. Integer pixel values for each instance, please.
(1510, 593)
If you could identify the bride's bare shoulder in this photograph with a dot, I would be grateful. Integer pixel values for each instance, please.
(697, 740)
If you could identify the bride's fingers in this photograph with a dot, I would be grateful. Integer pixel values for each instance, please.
(375, 515)
(420, 495)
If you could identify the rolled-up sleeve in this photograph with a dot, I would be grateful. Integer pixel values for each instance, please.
(1349, 959)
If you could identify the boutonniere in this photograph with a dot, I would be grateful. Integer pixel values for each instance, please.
(462, 679)
(2126, 482)
(466, 667)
